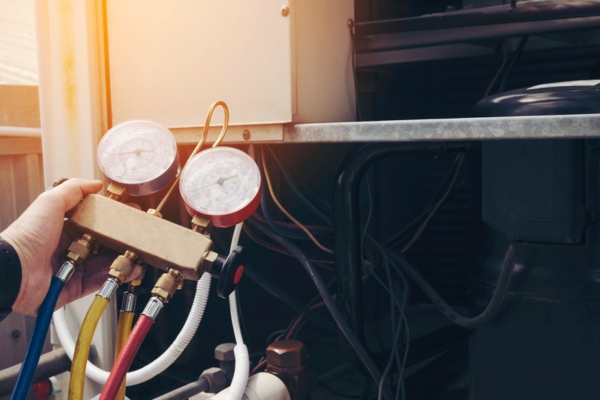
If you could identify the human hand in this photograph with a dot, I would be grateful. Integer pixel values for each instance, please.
(38, 238)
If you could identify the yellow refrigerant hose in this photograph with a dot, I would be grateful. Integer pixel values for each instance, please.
(120, 269)
(82, 348)
(123, 329)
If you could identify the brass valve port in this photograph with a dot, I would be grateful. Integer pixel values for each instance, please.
(117, 192)
(167, 284)
(122, 267)
(96, 247)
(80, 249)
(155, 213)
(137, 281)
(201, 224)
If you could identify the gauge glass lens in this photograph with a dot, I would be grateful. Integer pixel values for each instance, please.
(136, 152)
(219, 181)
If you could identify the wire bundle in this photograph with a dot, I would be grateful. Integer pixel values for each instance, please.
(394, 266)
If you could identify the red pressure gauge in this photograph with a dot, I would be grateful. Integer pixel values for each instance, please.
(221, 183)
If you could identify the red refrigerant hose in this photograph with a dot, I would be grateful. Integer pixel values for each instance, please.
(125, 358)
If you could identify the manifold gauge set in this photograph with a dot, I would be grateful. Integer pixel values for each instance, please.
(220, 187)
(220, 183)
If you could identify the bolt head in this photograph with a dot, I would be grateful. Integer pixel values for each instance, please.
(246, 134)
(285, 11)
(224, 352)
(217, 379)
(287, 354)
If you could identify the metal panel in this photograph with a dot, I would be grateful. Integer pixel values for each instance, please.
(169, 61)
(235, 134)
(324, 73)
(394, 41)
(555, 126)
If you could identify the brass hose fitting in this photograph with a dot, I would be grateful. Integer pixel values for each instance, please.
(122, 266)
(117, 192)
(167, 284)
(80, 249)
(201, 224)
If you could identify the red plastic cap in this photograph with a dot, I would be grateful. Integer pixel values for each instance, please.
(42, 389)
(238, 274)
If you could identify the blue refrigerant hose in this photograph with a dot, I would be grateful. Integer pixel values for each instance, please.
(42, 323)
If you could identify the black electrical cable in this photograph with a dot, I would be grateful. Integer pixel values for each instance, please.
(430, 205)
(339, 394)
(388, 367)
(401, 318)
(394, 354)
(460, 320)
(284, 331)
(284, 231)
(281, 230)
(504, 47)
(361, 352)
(319, 204)
(289, 300)
(508, 71)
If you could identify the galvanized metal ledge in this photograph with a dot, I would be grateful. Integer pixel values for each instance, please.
(539, 127)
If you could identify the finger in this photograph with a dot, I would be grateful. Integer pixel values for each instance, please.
(72, 191)
(99, 262)
(92, 282)
(81, 285)
(63, 244)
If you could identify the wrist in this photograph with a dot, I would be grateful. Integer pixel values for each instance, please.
(10, 277)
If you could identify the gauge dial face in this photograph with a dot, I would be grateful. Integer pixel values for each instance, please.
(140, 155)
(222, 183)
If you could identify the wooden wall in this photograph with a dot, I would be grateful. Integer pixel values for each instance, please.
(21, 173)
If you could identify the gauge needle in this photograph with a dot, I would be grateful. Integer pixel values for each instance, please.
(218, 182)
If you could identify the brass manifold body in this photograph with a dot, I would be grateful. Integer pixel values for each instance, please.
(154, 241)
